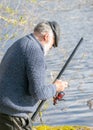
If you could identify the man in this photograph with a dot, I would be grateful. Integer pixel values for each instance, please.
(22, 77)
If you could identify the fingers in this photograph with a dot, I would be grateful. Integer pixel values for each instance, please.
(61, 85)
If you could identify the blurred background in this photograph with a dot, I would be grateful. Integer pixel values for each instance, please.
(75, 17)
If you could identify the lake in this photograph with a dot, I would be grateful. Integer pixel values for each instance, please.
(76, 21)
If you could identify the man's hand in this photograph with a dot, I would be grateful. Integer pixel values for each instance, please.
(60, 85)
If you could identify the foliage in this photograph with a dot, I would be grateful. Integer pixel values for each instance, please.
(20, 16)
(16, 19)
(45, 127)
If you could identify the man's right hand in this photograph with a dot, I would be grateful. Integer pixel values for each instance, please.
(60, 85)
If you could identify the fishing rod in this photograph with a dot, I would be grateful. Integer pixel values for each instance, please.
(59, 75)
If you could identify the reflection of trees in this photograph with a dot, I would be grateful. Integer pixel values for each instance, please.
(16, 17)
(20, 16)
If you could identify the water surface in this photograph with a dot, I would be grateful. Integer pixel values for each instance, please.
(76, 21)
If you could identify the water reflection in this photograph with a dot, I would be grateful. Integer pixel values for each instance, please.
(78, 107)
(76, 20)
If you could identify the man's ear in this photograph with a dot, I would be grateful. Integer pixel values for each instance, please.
(46, 37)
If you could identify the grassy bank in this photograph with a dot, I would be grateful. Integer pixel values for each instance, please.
(44, 127)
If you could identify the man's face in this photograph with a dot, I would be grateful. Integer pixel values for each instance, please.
(48, 45)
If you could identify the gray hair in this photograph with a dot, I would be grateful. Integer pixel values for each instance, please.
(42, 28)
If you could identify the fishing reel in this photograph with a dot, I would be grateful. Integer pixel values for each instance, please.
(58, 97)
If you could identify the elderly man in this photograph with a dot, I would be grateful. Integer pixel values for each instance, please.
(22, 77)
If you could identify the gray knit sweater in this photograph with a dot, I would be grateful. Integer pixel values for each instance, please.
(22, 78)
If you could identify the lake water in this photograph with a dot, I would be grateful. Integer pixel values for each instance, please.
(76, 21)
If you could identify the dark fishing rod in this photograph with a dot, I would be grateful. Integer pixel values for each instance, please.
(59, 75)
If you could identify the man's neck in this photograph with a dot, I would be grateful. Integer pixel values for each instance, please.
(39, 38)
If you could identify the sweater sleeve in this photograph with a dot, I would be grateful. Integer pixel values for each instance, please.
(35, 68)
